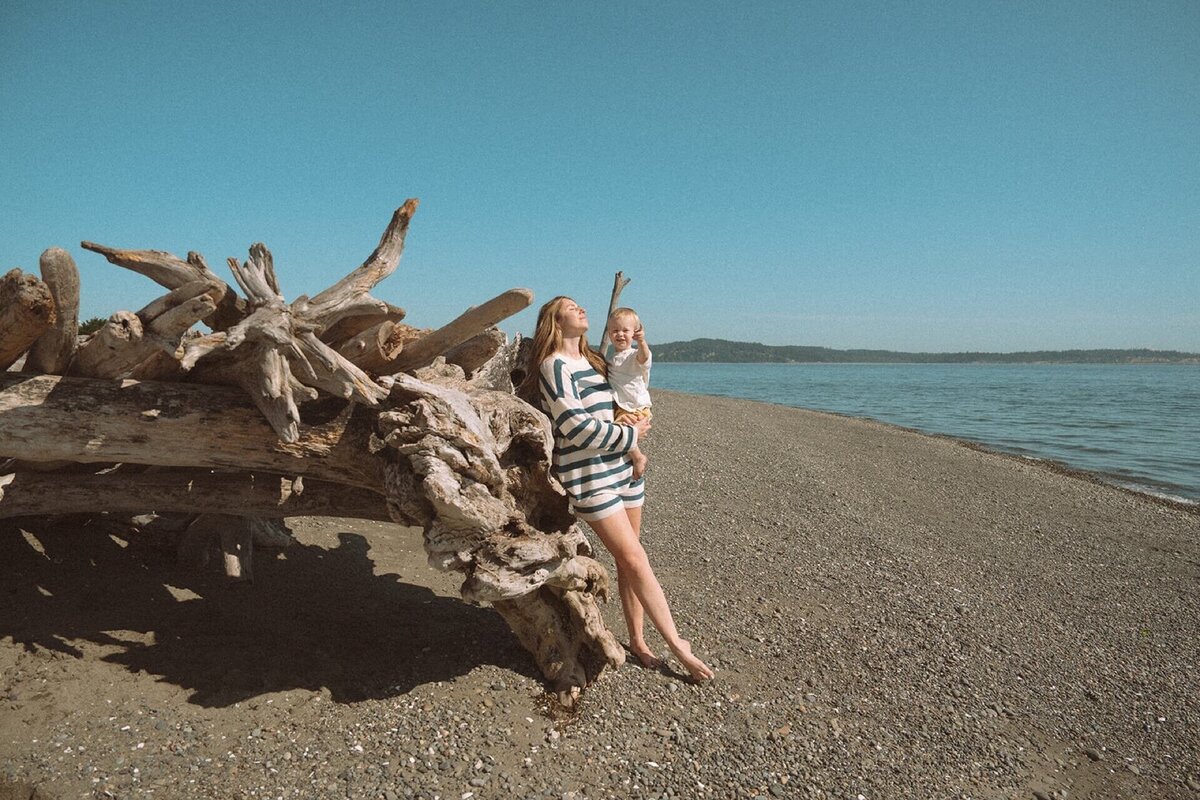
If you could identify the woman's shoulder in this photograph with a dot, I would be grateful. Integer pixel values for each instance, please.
(560, 367)
(571, 362)
(553, 362)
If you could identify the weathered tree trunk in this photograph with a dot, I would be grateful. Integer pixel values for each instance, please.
(49, 418)
(470, 466)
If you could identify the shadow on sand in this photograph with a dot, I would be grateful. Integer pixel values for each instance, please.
(314, 618)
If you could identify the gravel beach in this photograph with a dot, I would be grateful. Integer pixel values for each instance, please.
(890, 614)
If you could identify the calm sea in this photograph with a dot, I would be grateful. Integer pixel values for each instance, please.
(1134, 425)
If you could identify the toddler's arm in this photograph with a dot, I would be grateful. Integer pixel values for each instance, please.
(643, 349)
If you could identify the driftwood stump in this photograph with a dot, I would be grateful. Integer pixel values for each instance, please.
(326, 405)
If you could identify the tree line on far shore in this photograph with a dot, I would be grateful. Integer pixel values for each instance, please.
(723, 351)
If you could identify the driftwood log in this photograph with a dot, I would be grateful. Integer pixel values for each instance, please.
(327, 405)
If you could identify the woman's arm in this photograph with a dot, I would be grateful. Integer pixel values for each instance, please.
(572, 417)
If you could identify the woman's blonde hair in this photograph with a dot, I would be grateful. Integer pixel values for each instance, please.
(548, 340)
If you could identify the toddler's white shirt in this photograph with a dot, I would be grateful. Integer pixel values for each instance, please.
(629, 379)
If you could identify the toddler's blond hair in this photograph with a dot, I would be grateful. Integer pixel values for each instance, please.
(622, 314)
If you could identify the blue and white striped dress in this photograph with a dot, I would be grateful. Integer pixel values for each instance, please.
(590, 450)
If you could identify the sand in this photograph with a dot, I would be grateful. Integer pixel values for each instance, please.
(890, 615)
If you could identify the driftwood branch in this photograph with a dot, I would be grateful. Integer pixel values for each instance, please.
(52, 352)
(376, 348)
(477, 351)
(26, 312)
(127, 342)
(472, 467)
(467, 325)
(274, 355)
(172, 272)
(619, 284)
(347, 328)
(350, 296)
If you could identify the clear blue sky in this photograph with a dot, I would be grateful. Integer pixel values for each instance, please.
(924, 176)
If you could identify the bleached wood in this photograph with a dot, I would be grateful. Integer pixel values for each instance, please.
(274, 355)
(498, 373)
(565, 634)
(477, 351)
(372, 344)
(128, 341)
(375, 349)
(172, 272)
(53, 350)
(348, 327)
(115, 349)
(48, 418)
(373, 338)
(269, 348)
(237, 544)
(471, 467)
(619, 284)
(351, 295)
(257, 278)
(26, 312)
(465, 326)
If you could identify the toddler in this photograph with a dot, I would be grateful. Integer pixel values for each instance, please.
(629, 375)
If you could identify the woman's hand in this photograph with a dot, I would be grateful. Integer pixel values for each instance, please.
(642, 426)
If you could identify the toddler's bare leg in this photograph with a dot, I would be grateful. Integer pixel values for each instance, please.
(639, 460)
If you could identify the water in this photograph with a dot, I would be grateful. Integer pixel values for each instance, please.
(1134, 425)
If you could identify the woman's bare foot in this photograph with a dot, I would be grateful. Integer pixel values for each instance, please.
(699, 671)
(645, 655)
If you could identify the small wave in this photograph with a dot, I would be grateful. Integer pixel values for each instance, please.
(1159, 493)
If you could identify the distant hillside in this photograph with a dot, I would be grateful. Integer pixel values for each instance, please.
(720, 350)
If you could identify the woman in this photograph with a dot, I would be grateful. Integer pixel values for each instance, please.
(590, 460)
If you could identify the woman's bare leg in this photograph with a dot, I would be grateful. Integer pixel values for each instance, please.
(619, 537)
(634, 613)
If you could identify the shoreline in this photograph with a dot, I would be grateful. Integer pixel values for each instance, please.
(1106, 479)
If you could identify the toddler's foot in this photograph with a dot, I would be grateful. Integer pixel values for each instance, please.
(699, 671)
(639, 463)
(645, 655)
